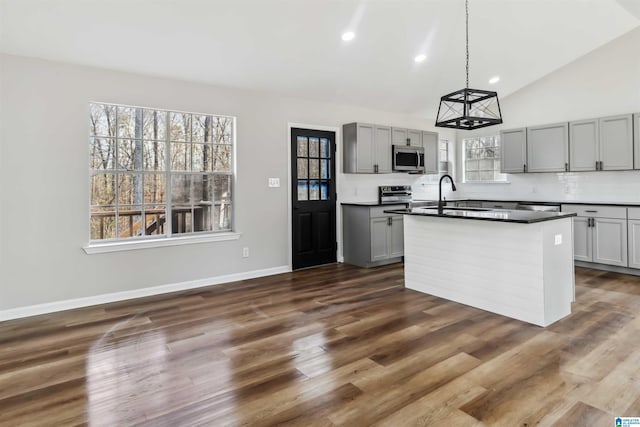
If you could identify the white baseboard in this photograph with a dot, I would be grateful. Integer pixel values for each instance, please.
(50, 307)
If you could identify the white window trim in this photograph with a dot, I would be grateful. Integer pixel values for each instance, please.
(119, 246)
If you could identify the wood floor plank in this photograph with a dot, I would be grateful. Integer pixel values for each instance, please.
(331, 346)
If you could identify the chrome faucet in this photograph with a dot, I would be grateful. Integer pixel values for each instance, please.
(453, 187)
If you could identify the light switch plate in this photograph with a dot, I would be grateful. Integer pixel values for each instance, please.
(274, 182)
(558, 239)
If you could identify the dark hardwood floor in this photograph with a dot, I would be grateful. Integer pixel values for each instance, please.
(336, 345)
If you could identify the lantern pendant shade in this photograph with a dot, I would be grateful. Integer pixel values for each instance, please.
(469, 109)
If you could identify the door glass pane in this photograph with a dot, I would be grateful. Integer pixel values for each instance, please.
(303, 190)
(324, 148)
(324, 191)
(302, 168)
(314, 168)
(314, 149)
(324, 169)
(314, 190)
(302, 146)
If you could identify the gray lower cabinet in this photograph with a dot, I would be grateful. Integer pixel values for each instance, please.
(513, 158)
(372, 237)
(633, 228)
(548, 148)
(599, 234)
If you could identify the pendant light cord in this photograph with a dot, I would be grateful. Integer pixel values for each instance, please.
(466, 8)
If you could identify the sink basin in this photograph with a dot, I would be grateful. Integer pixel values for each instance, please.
(453, 208)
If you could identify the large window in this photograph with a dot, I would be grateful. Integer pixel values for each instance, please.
(482, 159)
(158, 173)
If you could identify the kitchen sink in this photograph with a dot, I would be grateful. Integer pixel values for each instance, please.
(452, 208)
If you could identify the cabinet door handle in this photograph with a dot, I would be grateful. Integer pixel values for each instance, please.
(592, 211)
(375, 168)
(408, 141)
(389, 221)
(566, 167)
(524, 168)
(601, 165)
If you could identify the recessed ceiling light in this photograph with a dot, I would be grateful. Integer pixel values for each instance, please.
(349, 35)
(494, 80)
(420, 58)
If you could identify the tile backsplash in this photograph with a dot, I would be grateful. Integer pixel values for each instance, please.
(614, 186)
(602, 186)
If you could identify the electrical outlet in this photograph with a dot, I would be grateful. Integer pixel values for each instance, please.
(245, 252)
(558, 239)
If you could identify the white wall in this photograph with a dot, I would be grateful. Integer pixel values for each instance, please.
(603, 83)
(44, 180)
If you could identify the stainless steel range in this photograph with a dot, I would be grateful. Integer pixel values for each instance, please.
(390, 194)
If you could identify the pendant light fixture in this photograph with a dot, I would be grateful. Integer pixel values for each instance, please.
(469, 108)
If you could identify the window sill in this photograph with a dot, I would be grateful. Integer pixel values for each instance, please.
(100, 248)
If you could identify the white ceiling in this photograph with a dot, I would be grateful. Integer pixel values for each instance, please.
(293, 47)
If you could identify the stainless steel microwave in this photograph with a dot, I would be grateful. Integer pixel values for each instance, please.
(408, 159)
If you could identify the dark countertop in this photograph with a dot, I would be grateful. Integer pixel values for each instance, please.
(522, 217)
(372, 204)
(545, 202)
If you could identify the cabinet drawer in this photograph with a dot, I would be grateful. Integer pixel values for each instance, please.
(634, 213)
(597, 211)
(378, 211)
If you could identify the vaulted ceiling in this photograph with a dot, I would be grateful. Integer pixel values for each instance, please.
(294, 47)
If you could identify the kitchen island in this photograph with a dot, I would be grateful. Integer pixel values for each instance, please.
(514, 263)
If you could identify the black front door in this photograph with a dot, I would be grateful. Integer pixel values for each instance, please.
(313, 197)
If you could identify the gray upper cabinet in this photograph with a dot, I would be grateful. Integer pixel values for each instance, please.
(601, 144)
(514, 150)
(636, 140)
(366, 148)
(430, 144)
(616, 142)
(548, 148)
(399, 136)
(415, 137)
(382, 143)
(402, 136)
(583, 145)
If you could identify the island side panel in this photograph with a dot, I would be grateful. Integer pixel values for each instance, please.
(559, 280)
(494, 266)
